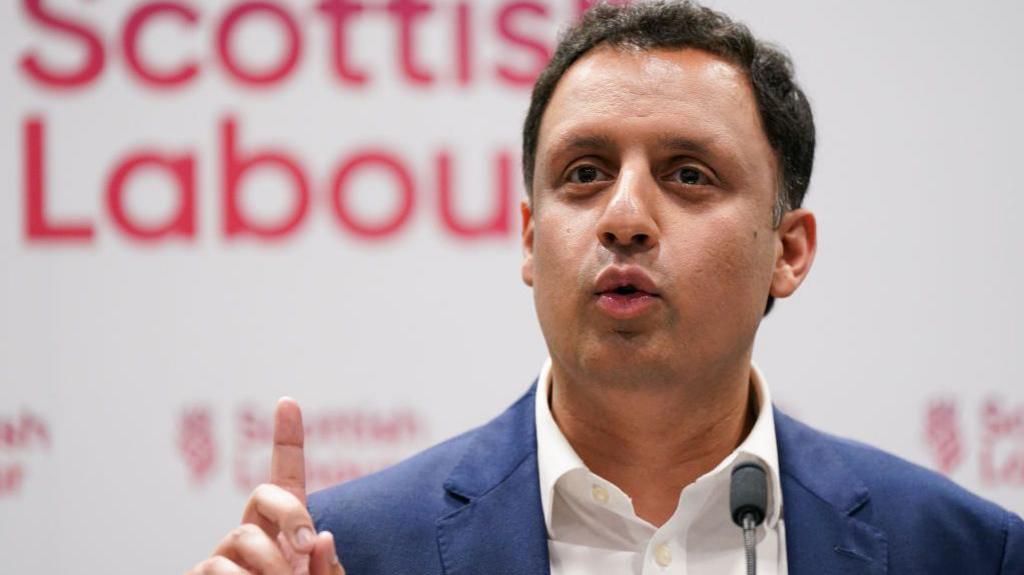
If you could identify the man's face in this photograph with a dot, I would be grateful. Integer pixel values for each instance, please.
(652, 170)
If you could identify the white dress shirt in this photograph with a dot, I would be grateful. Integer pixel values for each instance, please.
(593, 528)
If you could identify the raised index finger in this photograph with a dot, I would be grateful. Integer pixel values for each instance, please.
(287, 463)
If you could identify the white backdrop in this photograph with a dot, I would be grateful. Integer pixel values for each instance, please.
(137, 375)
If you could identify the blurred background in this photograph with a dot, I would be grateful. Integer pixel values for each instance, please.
(212, 204)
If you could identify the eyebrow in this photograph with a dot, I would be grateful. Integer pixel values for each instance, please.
(704, 147)
(666, 140)
(583, 142)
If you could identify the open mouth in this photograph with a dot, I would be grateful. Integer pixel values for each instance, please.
(624, 293)
(626, 302)
(626, 290)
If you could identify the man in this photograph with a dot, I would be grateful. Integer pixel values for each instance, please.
(666, 156)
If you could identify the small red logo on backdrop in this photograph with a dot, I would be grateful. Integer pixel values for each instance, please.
(1002, 443)
(20, 435)
(196, 442)
(943, 435)
(999, 434)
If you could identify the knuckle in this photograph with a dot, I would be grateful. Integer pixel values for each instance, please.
(243, 531)
(262, 491)
(268, 493)
(298, 513)
(228, 567)
(215, 564)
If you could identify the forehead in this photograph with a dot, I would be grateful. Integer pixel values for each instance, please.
(626, 93)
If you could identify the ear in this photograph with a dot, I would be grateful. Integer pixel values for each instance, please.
(524, 208)
(796, 244)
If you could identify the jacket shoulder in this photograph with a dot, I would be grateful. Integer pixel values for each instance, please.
(918, 509)
(906, 487)
(910, 501)
(406, 489)
(388, 522)
(385, 522)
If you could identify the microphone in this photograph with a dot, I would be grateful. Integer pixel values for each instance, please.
(748, 499)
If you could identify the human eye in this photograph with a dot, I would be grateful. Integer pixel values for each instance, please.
(586, 174)
(690, 176)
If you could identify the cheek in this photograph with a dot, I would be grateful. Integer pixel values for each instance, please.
(721, 263)
(563, 255)
(561, 244)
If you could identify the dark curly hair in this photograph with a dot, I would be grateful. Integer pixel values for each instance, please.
(785, 112)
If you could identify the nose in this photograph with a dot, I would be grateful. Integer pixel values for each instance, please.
(627, 224)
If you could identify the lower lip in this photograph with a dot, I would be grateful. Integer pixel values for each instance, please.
(626, 306)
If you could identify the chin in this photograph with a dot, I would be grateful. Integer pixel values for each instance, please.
(626, 356)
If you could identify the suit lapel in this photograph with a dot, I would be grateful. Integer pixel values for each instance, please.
(823, 500)
(500, 528)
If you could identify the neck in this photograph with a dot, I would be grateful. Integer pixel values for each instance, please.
(652, 441)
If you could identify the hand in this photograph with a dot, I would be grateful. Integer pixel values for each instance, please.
(277, 536)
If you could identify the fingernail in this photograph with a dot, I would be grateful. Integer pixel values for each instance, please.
(304, 537)
(334, 555)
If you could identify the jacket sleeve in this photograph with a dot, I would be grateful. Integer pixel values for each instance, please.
(1013, 552)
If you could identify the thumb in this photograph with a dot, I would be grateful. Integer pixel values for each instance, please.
(324, 560)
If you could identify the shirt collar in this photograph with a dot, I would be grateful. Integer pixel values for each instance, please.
(556, 457)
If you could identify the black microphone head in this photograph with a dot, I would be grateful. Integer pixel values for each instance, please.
(748, 493)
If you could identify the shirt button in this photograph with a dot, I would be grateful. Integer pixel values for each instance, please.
(599, 493)
(662, 555)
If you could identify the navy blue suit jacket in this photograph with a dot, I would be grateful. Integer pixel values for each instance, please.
(471, 505)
